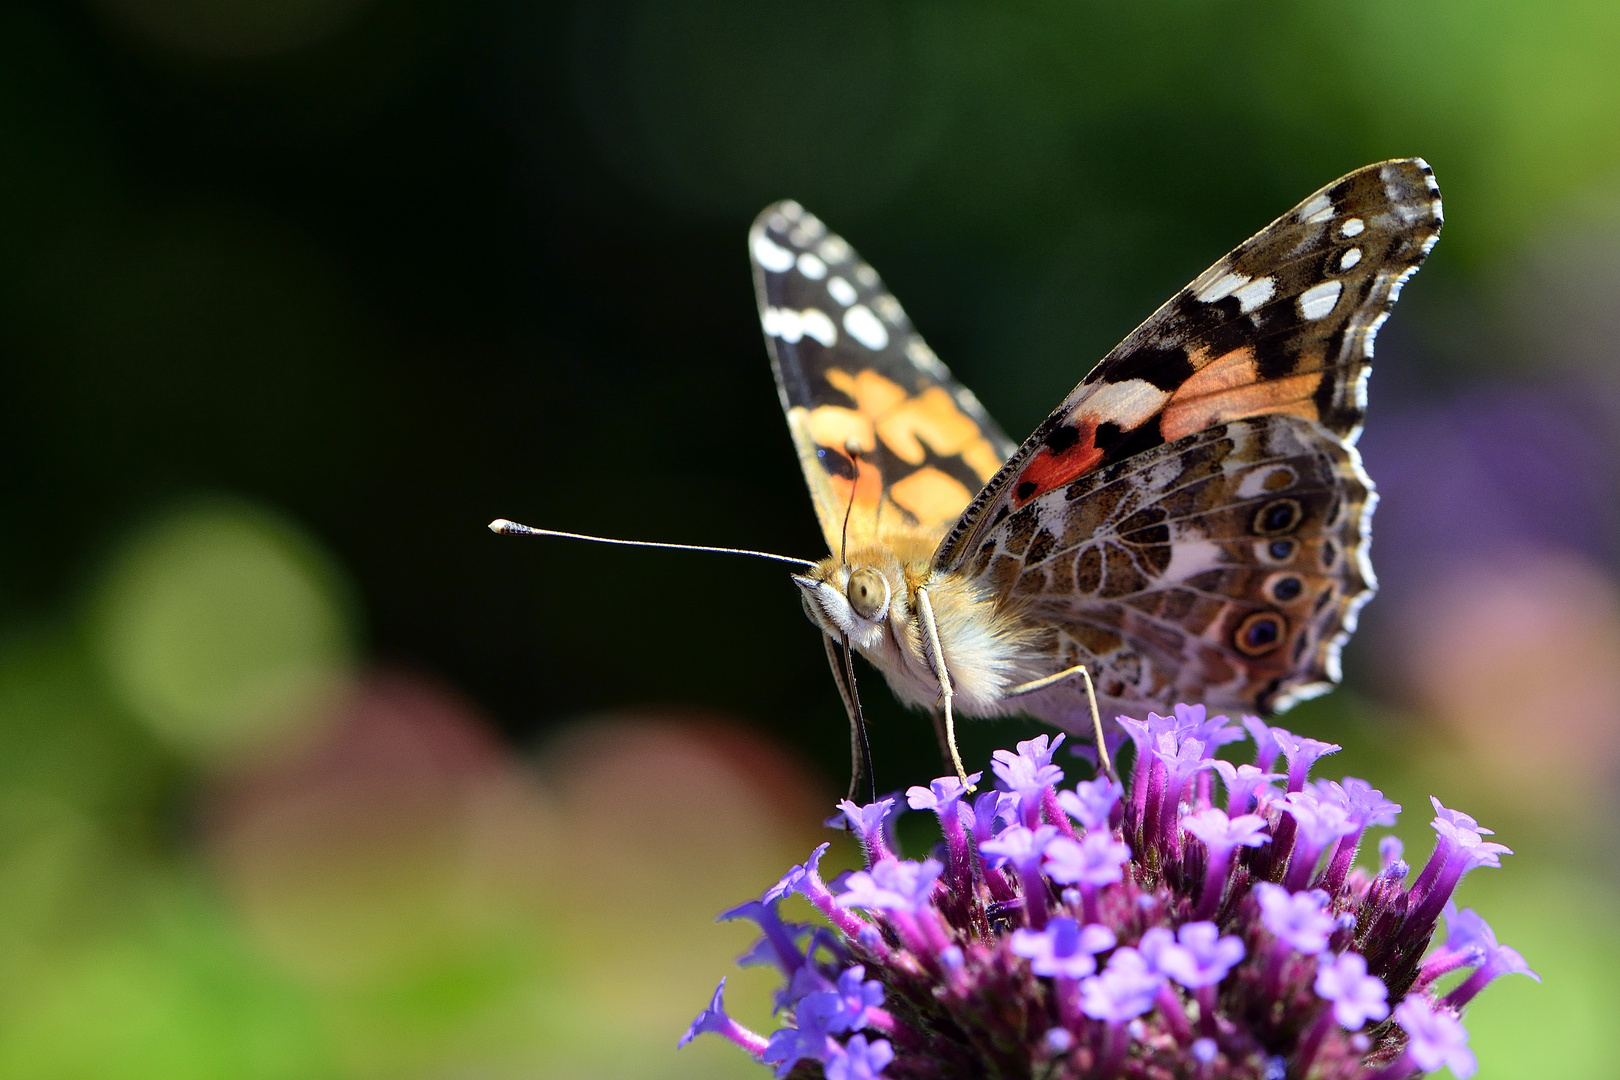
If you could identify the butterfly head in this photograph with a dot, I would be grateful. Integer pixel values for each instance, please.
(849, 601)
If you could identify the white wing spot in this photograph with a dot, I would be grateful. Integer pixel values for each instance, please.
(1352, 227)
(1250, 293)
(791, 326)
(819, 326)
(1349, 258)
(888, 307)
(1221, 287)
(1255, 293)
(811, 267)
(866, 275)
(1317, 210)
(841, 290)
(783, 323)
(1318, 301)
(771, 255)
(865, 328)
(834, 250)
(1127, 404)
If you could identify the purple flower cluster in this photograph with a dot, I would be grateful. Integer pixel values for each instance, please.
(1102, 932)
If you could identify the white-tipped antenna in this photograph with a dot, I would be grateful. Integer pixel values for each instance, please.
(512, 528)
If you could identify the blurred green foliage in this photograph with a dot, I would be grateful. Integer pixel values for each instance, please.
(295, 296)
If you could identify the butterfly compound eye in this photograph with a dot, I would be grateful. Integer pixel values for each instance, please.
(868, 593)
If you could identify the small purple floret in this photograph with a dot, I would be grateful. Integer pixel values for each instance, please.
(1470, 939)
(1124, 990)
(1364, 803)
(867, 824)
(989, 807)
(1193, 722)
(1296, 919)
(1091, 802)
(1302, 753)
(1356, 996)
(891, 885)
(941, 795)
(1029, 774)
(857, 996)
(1434, 1039)
(1199, 955)
(1064, 949)
(1022, 848)
(1096, 859)
(714, 1019)
(1221, 833)
(1181, 760)
(1244, 785)
(859, 1059)
(1318, 822)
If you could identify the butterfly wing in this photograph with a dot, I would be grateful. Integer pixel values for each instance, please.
(1283, 325)
(1192, 520)
(872, 411)
(1226, 567)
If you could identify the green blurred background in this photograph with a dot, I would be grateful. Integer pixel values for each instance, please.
(303, 774)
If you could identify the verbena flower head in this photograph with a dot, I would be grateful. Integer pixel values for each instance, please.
(1165, 929)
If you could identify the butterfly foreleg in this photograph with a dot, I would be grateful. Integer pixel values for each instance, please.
(936, 657)
(1091, 699)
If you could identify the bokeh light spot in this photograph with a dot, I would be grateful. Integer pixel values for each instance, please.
(222, 628)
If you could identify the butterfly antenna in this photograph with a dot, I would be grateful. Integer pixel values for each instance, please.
(512, 528)
(843, 539)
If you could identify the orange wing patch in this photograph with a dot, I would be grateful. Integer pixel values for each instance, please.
(912, 426)
(1230, 388)
(931, 496)
(892, 450)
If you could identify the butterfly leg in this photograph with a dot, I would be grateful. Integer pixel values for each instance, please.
(1091, 698)
(939, 733)
(860, 750)
(936, 656)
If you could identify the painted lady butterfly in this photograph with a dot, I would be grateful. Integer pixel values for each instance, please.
(1190, 524)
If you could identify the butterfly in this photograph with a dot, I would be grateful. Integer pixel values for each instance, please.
(1189, 524)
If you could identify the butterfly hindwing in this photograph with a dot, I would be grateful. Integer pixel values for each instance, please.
(1226, 567)
(870, 408)
(1284, 325)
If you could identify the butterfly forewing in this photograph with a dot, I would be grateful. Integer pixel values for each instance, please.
(1283, 325)
(870, 407)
